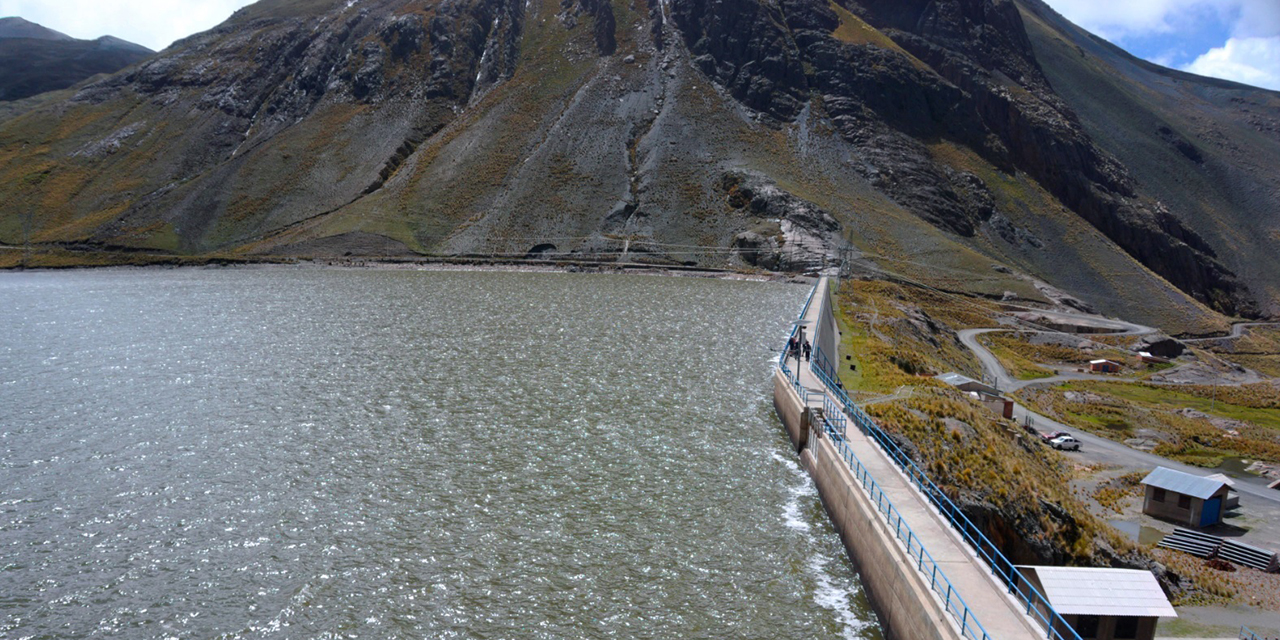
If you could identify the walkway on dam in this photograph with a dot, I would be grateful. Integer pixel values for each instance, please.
(997, 611)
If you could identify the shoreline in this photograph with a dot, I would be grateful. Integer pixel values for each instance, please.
(443, 264)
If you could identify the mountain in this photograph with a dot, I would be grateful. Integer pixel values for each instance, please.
(15, 27)
(34, 59)
(985, 145)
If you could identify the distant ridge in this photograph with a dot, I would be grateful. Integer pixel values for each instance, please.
(15, 27)
(35, 59)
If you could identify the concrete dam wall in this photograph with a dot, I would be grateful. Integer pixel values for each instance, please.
(884, 523)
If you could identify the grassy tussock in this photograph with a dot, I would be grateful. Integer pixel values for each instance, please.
(978, 457)
(1112, 493)
(896, 335)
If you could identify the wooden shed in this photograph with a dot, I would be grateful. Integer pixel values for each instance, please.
(1101, 604)
(1184, 498)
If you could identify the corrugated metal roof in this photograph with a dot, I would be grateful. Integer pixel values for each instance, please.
(1184, 483)
(1103, 592)
(955, 379)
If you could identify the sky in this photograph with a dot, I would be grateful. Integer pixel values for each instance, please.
(1232, 39)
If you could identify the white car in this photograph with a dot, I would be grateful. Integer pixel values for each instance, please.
(1065, 443)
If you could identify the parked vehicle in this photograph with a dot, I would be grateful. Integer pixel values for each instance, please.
(1053, 435)
(1065, 443)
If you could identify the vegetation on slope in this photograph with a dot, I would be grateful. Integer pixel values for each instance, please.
(1019, 491)
(1191, 428)
(894, 335)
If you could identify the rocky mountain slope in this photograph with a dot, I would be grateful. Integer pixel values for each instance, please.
(980, 144)
(35, 59)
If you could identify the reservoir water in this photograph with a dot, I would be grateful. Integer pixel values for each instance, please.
(309, 453)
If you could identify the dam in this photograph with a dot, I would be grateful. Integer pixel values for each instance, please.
(930, 572)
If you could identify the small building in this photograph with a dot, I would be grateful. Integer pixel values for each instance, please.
(984, 393)
(999, 405)
(1233, 498)
(1104, 366)
(1100, 604)
(1184, 498)
(965, 383)
(1148, 358)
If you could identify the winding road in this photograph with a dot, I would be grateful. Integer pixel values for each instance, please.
(1096, 448)
(1237, 330)
(1004, 381)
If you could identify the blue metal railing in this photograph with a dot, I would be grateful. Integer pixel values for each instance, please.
(1247, 634)
(794, 376)
(1034, 603)
(833, 428)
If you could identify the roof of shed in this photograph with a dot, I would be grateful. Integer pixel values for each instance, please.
(1103, 592)
(1184, 483)
(955, 379)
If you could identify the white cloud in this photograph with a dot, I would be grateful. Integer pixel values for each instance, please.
(1250, 55)
(151, 23)
(1254, 61)
(1250, 18)
(1112, 19)
(1258, 19)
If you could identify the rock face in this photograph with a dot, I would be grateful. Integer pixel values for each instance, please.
(767, 133)
(34, 59)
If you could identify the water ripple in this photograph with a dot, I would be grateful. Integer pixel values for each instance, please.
(309, 453)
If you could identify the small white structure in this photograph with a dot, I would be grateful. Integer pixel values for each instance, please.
(1102, 604)
(965, 383)
(1148, 358)
(982, 392)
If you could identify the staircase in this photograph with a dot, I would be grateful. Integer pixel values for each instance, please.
(1203, 545)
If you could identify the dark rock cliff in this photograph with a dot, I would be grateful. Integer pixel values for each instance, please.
(982, 88)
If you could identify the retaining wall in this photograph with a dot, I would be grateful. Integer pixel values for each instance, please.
(908, 609)
(791, 410)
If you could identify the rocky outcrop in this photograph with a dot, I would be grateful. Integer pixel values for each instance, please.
(745, 46)
(981, 88)
(788, 234)
(605, 24)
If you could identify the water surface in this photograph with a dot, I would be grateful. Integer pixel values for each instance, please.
(298, 453)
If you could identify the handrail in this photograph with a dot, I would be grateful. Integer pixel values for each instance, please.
(1034, 602)
(794, 376)
(953, 603)
(1247, 634)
